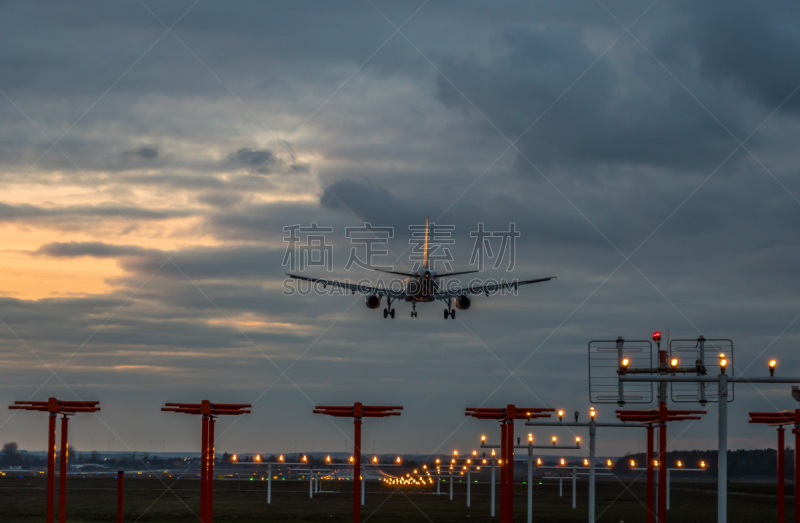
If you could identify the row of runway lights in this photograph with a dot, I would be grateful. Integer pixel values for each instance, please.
(418, 480)
(304, 459)
(421, 480)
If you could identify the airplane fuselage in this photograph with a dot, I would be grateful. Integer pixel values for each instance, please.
(422, 287)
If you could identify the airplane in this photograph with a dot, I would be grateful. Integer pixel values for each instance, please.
(421, 287)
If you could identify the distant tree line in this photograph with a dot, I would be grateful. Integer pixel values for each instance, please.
(11, 456)
(762, 462)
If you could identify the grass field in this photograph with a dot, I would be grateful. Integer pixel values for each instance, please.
(147, 500)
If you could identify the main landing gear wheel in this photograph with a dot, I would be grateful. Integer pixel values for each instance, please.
(388, 311)
(449, 313)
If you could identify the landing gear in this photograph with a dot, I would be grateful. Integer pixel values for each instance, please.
(389, 311)
(449, 311)
(414, 310)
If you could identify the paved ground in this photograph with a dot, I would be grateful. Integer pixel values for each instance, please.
(148, 500)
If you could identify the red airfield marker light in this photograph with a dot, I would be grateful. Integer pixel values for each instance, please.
(506, 416)
(357, 412)
(779, 419)
(55, 407)
(209, 411)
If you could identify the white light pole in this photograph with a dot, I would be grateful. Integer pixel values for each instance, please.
(530, 478)
(469, 484)
(722, 470)
(493, 483)
(592, 458)
(574, 484)
(451, 482)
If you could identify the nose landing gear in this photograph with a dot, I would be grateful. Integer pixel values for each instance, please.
(413, 309)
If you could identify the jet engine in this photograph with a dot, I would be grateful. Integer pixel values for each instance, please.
(462, 302)
(373, 302)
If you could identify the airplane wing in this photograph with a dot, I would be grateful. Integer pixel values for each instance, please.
(486, 288)
(353, 287)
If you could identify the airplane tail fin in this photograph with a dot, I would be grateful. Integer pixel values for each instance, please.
(425, 253)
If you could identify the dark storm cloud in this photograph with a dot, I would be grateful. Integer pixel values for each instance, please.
(209, 263)
(299, 168)
(83, 213)
(92, 249)
(251, 158)
(264, 222)
(217, 199)
(209, 187)
(366, 201)
(145, 152)
(263, 160)
(199, 263)
(754, 46)
(635, 116)
(134, 327)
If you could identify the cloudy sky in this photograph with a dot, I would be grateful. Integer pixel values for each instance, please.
(151, 155)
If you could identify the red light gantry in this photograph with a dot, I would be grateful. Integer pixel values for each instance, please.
(209, 411)
(357, 412)
(506, 416)
(778, 419)
(65, 408)
(649, 418)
